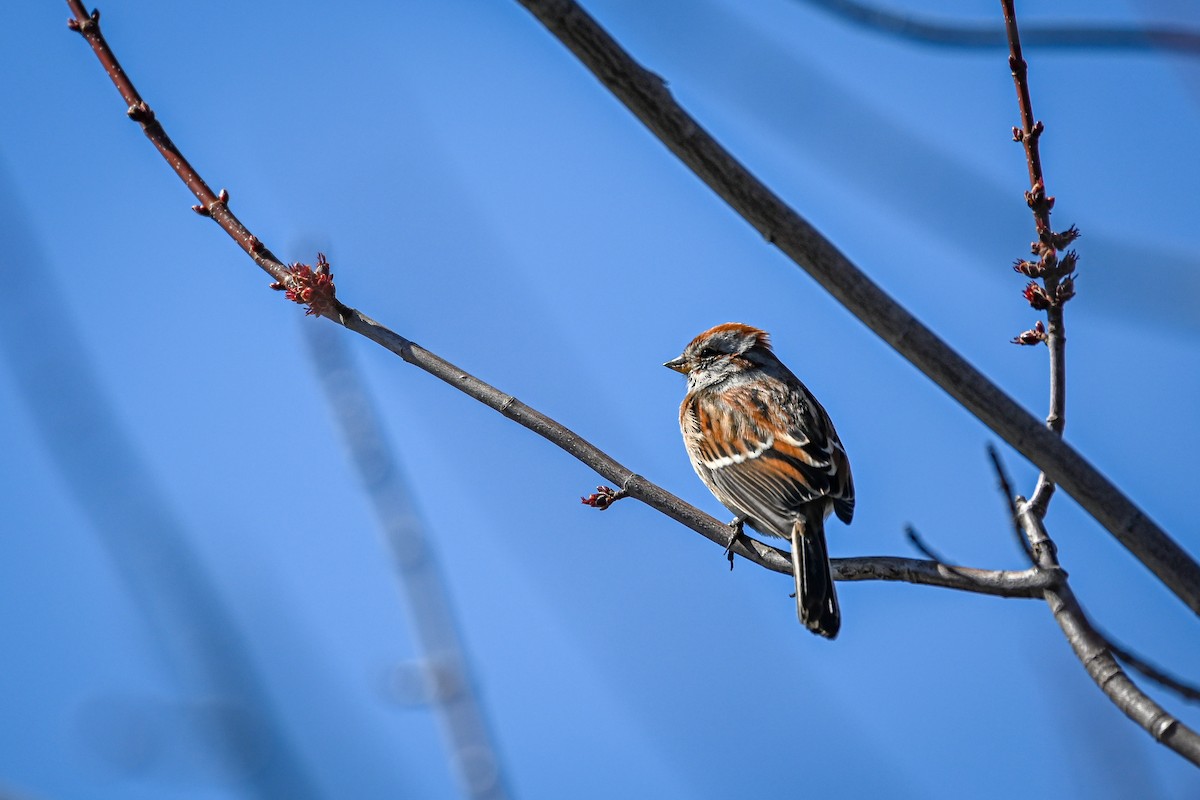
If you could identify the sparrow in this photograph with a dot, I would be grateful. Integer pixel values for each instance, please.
(768, 451)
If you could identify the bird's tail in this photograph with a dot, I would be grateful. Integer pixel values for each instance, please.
(816, 600)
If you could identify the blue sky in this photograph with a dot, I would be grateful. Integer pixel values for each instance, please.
(181, 518)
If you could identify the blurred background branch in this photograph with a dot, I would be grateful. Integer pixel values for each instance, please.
(226, 707)
(1058, 36)
(451, 687)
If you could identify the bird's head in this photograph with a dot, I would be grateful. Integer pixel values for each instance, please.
(721, 353)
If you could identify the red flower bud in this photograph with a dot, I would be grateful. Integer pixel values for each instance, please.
(1037, 296)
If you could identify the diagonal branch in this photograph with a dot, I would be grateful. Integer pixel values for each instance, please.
(648, 98)
(1027, 583)
(212, 204)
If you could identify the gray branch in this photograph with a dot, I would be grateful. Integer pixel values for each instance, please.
(1093, 651)
(1026, 583)
(645, 94)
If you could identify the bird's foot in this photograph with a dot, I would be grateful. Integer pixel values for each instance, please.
(736, 525)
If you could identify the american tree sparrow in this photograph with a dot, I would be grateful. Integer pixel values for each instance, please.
(766, 448)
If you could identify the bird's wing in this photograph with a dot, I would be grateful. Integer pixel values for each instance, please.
(768, 457)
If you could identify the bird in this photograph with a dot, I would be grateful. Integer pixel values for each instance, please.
(768, 451)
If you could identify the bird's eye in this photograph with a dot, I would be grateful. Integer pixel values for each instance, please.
(707, 352)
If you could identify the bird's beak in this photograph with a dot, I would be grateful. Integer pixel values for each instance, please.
(677, 364)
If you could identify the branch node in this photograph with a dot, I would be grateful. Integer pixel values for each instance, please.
(88, 25)
(140, 112)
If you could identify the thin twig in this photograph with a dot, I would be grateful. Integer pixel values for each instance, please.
(1093, 651)
(1006, 490)
(1030, 128)
(645, 94)
(1055, 272)
(1074, 36)
(1188, 691)
(922, 546)
(212, 204)
(994, 582)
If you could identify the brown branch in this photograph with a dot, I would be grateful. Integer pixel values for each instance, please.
(647, 97)
(1030, 128)
(1056, 274)
(212, 204)
(1092, 648)
(1094, 652)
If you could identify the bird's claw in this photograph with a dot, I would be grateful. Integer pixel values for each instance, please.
(736, 525)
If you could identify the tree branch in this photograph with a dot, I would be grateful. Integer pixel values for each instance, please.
(1056, 273)
(1061, 36)
(211, 204)
(646, 96)
(1006, 490)
(1091, 649)
(1188, 691)
(1001, 583)
(994, 582)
